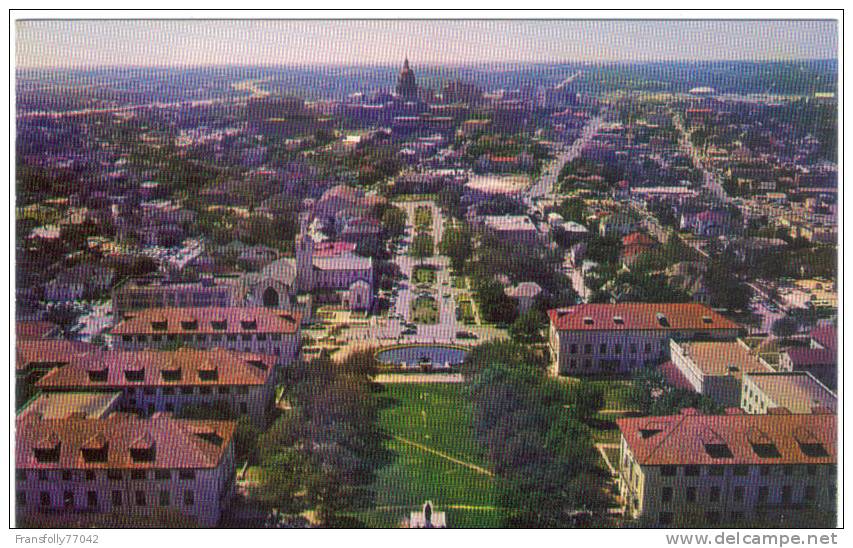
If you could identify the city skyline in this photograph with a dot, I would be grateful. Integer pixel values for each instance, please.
(181, 43)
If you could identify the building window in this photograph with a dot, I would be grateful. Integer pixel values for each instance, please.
(716, 470)
(186, 474)
(44, 498)
(618, 349)
(244, 408)
(189, 498)
(42, 474)
(140, 498)
(186, 390)
(691, 470)
(788, 470)
(587, 349)
(137, 474)
(20, 475)
(810, 492)
(738, 493)
(787, 491)
(648, 348)
(66, 475)
(666, 494)
(90, 475)
(691, 494)
(114, 475)
(164, 498)
(116, 498)
(763, 493)
(736, 517)
(602, 348)
(741, 470)
(68, 499)
(223, 390)
(714, 495)
(162, 475)
(811, 470)
(765, 470)
(242, 389)
(667, 470)
(633, 348)
(92, 499)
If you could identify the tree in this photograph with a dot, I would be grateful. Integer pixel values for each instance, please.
(573, 209)
(456, 244)
(527, 328)
(394, 221)
(494, 304)
(280, 480)
(586, 400)
(785, 327)
(603, 250)
(422, 246)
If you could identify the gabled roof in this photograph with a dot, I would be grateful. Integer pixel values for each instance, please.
(684, 439)
(826, 336)
(206, 320)
(161, 368)
(175, 443)
(30, 353)
(639, 316)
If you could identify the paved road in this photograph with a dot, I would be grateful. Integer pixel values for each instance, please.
(709, 181)
(548, 179)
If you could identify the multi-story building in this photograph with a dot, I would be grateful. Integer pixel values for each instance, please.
(608, 338)
(124, 467)
(694, 470)
(255, 330)
(798, 392)
(153, 381)
(158, 292)
(518, 229)
(715, 369)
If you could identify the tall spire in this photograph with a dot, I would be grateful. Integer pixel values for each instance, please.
(406, 63)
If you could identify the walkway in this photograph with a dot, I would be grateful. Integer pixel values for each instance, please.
(445, 456)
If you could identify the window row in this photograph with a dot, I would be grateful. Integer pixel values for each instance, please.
(117, 498)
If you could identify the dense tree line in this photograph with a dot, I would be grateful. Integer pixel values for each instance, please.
(541, 452)
(322, 454)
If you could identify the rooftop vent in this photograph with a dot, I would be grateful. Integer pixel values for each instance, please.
(662, 319)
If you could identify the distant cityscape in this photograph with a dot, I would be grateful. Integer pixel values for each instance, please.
(534, 295)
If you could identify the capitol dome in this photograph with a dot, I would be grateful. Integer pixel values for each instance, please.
(407, 87)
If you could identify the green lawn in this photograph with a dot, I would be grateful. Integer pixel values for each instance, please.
(423, 275)
(425, 310)
(423, 218)
(437, 417)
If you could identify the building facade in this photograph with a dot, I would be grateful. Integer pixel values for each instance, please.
(156, 381)
(123, 466)
(609, 338)
(692, 470)
(254, 330)
(157, 292)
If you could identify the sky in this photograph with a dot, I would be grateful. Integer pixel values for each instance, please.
(93, 43)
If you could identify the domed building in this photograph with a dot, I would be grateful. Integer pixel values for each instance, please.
(407, 87)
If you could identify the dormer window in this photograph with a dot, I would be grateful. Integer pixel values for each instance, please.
(618, 320)
(707, 319)
(662, 319)
(189, 325)
(219, 325)
(249, 325)
(159, 325)
(762, 445)
(47, 448)
(207, 371)
(259, 364)
(588, 321)
(95, 449)
(715, 446)
(143, 448)
(134, 375)
(97, 373)
(171, 374)
(809, 444)
(210, 436)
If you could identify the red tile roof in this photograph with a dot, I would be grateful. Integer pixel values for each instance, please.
(175, 443)
(639, 316)
(29, 353)
(692, 438)
(34, 330)
(265, 320)
(809, 357)
(159, 368)
(637, 238)
(827, 337)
